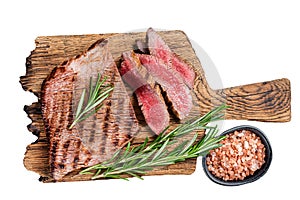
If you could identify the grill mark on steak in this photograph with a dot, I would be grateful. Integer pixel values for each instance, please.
(81, 146)
(52, 155)
(102, 148)
(65, 146)
(89, 158)
(76, 159)
(105, 127)
(114, 114)
(92, 136)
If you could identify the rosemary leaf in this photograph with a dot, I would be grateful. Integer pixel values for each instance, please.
(161, 149)
(188, 146)
(134, 175)
(80, 104)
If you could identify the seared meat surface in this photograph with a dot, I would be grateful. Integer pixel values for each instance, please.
(97, 138)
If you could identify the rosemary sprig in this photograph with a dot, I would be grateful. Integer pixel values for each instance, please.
(97, 94)
(136, 161)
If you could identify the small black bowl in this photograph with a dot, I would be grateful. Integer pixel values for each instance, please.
(258, 173)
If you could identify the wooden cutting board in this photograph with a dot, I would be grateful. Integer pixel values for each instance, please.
(266, 101)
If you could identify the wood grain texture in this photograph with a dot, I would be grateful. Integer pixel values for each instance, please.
(267, 101)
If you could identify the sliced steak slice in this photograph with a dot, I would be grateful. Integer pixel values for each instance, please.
(158, 47)
(152, 105)
(97, 138)
(176, 91)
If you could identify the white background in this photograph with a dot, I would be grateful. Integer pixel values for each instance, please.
(248, 42)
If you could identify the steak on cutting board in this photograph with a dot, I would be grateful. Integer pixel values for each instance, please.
(97, 138)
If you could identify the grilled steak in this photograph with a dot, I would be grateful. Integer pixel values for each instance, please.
(176, 91)
(147, 93)
(161, 50)
(98, 137)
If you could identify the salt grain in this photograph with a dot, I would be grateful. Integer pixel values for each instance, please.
(246, 145)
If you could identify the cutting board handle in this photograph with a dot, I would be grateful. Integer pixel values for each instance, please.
(266, 101)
